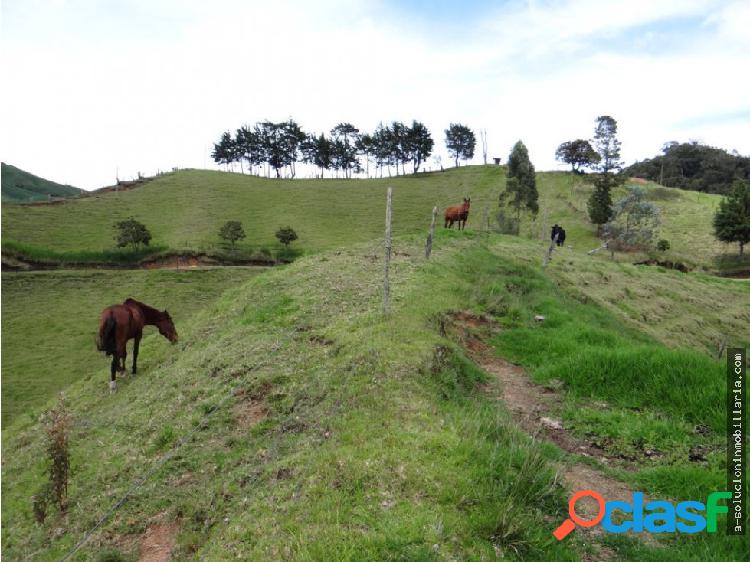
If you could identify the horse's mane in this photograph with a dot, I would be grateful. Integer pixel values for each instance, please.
(149, 312)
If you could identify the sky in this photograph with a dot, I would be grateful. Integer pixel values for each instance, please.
(98, 89)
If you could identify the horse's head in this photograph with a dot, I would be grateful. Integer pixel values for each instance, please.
(467, 203)
(166, 327)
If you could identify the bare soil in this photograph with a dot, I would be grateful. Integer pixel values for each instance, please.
(158, 541)
(249, 412)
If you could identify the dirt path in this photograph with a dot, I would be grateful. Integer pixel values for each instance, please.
(535, 409)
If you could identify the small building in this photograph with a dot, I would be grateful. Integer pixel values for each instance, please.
(497, 161)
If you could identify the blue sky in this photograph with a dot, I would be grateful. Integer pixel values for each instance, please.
(140, 85)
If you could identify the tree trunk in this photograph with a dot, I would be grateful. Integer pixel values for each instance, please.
(742, 248)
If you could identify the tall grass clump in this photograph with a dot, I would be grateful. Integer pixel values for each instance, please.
(682, 383)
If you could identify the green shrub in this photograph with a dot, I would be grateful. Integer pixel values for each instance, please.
(286, 235)
(232, 231)
(131, 233)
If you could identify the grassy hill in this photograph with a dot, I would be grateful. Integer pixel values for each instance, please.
(295, 421)
(185, 210)
(312, 427)
(22, 187)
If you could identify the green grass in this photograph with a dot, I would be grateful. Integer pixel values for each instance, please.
(686, 219)
(19, 186)
(50, 319)
(185, 210)
(110, 256)
(376, 446)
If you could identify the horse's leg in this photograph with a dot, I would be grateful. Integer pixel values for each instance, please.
(113, 369)
(136, 343)
(123, 358)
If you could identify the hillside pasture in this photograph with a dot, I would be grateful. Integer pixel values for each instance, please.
(50, 319)
(371, 436)
(185, 210)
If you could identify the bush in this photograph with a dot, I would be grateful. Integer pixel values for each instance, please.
(232, 231)
(286, 235)
(56, 423)
(131, 233)
(663, 245)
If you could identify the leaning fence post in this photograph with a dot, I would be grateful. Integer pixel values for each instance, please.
(386, 281)
(548, 254)
(430, 235)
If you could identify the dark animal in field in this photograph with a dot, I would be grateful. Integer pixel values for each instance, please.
(457, 213)
(122, 322)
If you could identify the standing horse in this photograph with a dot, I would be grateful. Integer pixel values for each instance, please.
(122, 322)
(457, 213)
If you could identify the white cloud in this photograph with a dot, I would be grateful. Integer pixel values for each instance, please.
(154, 84)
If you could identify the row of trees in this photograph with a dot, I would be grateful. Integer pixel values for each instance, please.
(280, 146)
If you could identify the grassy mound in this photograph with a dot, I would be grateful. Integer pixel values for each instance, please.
(320, 429)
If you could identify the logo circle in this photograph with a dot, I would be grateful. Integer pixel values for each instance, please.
(572, 508)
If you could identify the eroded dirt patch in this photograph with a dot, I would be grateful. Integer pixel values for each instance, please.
(178, 262)
(158, 541)
(249, 412)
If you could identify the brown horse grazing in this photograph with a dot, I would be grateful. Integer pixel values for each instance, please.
(457, 213)
(122, 322)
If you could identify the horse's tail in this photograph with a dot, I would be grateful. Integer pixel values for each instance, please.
(106, 340)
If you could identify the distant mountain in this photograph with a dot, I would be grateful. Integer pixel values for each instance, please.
(22, 187)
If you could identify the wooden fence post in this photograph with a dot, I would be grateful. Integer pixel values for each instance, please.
(386, 281)
(430, 235)
(548, 254)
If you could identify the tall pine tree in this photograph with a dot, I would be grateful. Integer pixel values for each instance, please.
(608, 147)
(520, 186)
(732, 220)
